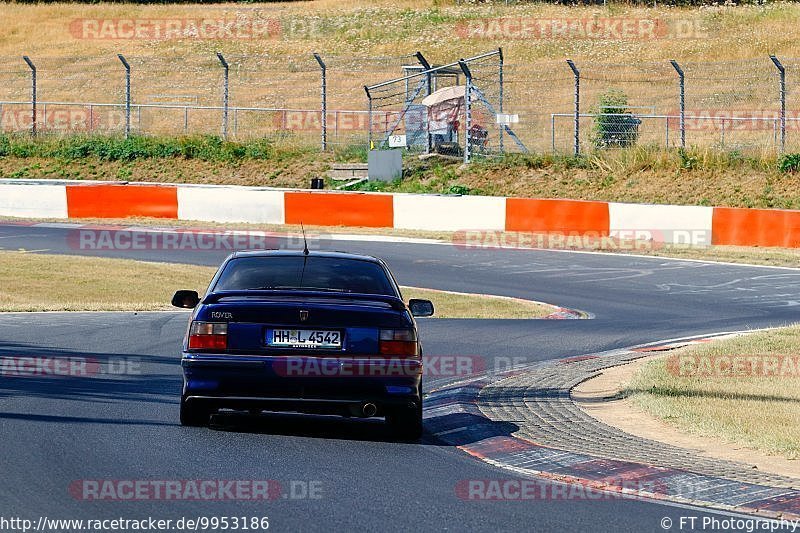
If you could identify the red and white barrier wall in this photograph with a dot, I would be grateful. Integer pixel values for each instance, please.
(668, 223)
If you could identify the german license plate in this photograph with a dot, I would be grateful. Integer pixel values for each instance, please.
(304, 338)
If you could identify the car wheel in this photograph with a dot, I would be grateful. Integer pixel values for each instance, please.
(194, 415)
(406, 424)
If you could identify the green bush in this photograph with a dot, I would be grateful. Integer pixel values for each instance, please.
(689, 160)
(22, 146)
(259, 149)
(68, 148)
(789, 163)
(352, 153)
(463, 190)
(614, 125)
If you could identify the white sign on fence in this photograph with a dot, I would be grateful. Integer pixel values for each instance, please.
(397, 141)
(507, 118)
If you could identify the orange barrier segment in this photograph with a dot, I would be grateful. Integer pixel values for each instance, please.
(339, 209)
(120, 201)
(558, 216)
(755, 227)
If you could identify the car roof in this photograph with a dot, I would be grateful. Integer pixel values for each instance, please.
(299, 253)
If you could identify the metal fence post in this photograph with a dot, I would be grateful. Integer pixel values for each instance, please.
(224, 96)
(782, 73)
(577, 74)
(428, 90)
(682, 85)
(127, 95)
(775, 132)
(500, 73)
(324, 81)
(33, 93)
(369, 116)
(467, 109)
(426, 66)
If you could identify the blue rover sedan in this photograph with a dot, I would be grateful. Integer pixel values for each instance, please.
(300, 331)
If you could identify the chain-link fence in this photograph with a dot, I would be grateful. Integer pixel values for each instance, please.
(229, 95)
(451, 109)
(496, 104)
(738, 105)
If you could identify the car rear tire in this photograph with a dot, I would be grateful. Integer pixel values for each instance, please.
(194, 415)
(405, 423)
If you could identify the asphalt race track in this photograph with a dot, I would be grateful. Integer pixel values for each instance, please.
(56, 430)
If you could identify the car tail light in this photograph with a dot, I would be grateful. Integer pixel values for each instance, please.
(208, 335)
(402, 342)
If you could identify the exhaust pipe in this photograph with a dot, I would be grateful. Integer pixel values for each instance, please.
(369, 409)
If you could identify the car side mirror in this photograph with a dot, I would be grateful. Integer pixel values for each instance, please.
(186, 299)
(420, 307)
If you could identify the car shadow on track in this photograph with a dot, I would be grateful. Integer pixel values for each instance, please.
(304, 425)
(156, 380)
(64, 419)
(58, 374)
(468, 428)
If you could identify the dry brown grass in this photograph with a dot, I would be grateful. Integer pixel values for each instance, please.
(732, 32)
(757, 412)
(280, 73)
(33, 282)
(462, 305)
(351, 28)
(735, 186)
(539, 82)
(294, 172)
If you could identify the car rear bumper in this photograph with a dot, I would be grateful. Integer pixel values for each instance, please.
(309, 384)
(353, 407)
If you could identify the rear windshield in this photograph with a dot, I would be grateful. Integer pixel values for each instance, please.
(327, 273)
